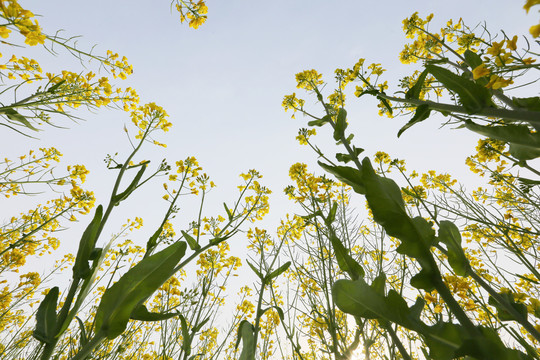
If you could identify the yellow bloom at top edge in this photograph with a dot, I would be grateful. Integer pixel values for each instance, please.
(530, 3)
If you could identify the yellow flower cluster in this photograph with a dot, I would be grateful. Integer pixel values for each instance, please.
(309, 80)
(192, 11)
(23, 20)
(310, 187)
(149, 118)
(304, 135)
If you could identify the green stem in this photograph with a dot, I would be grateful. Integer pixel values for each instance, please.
(89, 347)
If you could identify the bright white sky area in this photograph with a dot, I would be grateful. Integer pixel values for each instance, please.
(223, 84)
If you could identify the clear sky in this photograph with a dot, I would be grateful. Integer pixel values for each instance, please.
(223, 85)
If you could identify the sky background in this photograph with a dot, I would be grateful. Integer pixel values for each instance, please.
(223, 85)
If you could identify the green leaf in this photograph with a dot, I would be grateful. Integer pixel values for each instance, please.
(473, 97)
(502, 312)
(488, 346)
(320, 122)
(524, 145)
(134, 287)
(122, 196)
(193, 245)
(414, 92)
(332, 214)
(81, 268)
(229, 213)
(53, 88)
(345, 261)
(379, 283)
(386, 202)
(473, 59)
(246, 334)
(341, 124)
(422, 113)
(424, 280)
(359, 299)
(347, 175)
(200, 325)
(84, 338)
(186, 337)
(141, 313)
(152, 242)
(344, 158)
(450, 236)
(386, 104)
(15, 116)
(369, 92)
(255, 270)
(274, 274)
(530, 103)
(45, 330)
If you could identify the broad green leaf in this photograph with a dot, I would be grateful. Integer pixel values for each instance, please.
(255, 270)
(45, 330)
(193, 245)
(416, 89)
(246, 334)
(417, 308)
(332, 214)
(530, 103)
(274, 274)
(134, 287)
(122, 196)
(473, 97)
(347, 175)
(141, 313)
(473, 59)
(524, 145)
(488, 346)
(15, 116)
(320, 122)
(502, 312)
(418, 242)
(443, 339)
(385, 201)
(341, 124)
(422, 113)
(344, 158)
(359, 299)
(345, 261)
(424, 280)
(81, 268)
(379, 283)
(450, 236)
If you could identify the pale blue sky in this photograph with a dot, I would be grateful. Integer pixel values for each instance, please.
(223, 84)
